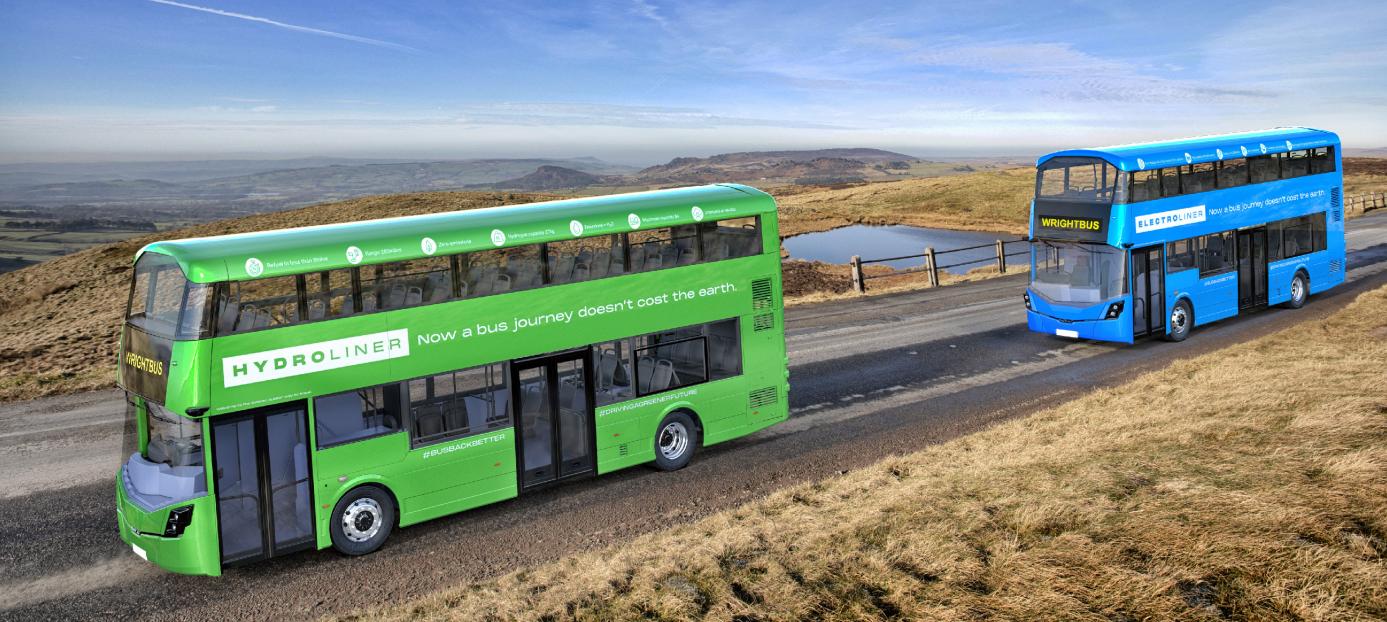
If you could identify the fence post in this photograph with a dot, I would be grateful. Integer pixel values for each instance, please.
(1001, 257)
(859, 284)
(931, 266)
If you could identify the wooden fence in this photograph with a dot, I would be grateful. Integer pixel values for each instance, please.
(1365, 202)
(932, 265)
(1356, 204)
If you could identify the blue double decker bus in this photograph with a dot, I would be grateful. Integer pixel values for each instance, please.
(1157, 238)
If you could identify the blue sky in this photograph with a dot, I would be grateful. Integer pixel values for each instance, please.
(646, 80)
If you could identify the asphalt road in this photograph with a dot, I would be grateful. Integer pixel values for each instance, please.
(870, 378)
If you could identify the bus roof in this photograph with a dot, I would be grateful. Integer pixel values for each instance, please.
(1142, 156)
(326, 247)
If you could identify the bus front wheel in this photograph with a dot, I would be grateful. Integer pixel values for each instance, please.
(1300, 290)
(1181, 320)
(362, 520)
(675, 440)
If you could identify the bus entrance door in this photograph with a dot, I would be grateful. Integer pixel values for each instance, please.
(554, 398)
(1252, 268)
(1148, 291)
(264, 507)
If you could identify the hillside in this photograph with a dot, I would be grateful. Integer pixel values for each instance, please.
(822, 166)
(1242, 497)
(549, 177)
(59, 324)
(1365, 175)
(988, 201)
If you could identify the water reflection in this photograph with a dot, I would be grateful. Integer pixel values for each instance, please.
(839, 245)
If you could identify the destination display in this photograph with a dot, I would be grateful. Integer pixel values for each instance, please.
(144, 364)
(1067, 220)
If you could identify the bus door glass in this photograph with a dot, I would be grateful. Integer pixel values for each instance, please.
(264, 507)
(1148, 291)
(1252, 268)
(554, 401)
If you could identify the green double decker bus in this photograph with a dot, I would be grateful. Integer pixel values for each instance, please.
(321, 386)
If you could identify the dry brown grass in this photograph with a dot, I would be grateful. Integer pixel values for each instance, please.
(1250, 483)
(1364, 175)
(807, 282)
(60, 320)
(991, 201)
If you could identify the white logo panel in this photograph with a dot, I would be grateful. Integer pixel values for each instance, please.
(254, 267)
(1171, 218)
(314, 357)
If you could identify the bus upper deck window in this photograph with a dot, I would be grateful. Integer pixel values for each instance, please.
(162, 301)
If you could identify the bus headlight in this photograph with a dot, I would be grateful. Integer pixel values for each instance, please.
(1027, 297)
(1114, 311)
(179, 518)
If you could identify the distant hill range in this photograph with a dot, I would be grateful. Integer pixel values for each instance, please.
(165, 192)
(821, 166)
(265, 186)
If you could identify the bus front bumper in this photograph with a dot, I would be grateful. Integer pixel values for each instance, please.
(194, 551)
(1118, 329)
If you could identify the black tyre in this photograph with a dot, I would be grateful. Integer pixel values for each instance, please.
(675, 440)
(362, 520)
(1181, 321)
(1300, 290)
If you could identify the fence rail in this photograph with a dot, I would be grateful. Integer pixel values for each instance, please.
(1356, 204)
(932, 265)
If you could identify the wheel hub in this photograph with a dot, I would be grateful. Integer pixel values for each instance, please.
(674, 440)
(361, 520)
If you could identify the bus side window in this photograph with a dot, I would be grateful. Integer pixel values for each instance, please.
(357, 415)
(502, 270)
(414, 282)
(1298, 238)
(657, 249)
(1170, 181)
(1198, 178)
(1232, 173)
(585, 259)
(1216, 256)
(1146, 185)
(1274, 241)
(615, 379)
(724, 349)
(731, 238)
(1317, 232)
(460, 403)
(670, 359)
(1322, 160)
(1296, 164)
(1265, 168)
(329, 294)
(1180, 255)
(261, 303)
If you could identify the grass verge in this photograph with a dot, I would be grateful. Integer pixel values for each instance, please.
(1250, 483)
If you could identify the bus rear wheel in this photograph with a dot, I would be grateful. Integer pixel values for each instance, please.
(1300, 290)
(1181, 320)
(675, 440)
(362, 520)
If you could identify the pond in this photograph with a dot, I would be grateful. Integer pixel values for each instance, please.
(839, 245)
